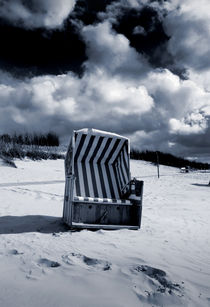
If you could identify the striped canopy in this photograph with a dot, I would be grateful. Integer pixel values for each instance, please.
(100, 163)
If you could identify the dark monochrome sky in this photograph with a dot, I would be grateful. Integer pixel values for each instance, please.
(140, 68)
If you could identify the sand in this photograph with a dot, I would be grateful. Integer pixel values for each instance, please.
(42, 263)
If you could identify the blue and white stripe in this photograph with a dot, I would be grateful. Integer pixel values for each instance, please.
(101, 166)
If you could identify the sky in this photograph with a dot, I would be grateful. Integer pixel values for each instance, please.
(140, 68)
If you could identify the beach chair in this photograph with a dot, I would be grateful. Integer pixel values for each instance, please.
(99, 192)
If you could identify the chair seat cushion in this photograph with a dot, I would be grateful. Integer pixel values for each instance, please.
(101, 200)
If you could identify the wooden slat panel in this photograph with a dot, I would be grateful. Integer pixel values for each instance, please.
(106, 214)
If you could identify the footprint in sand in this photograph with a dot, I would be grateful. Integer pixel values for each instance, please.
(48, 263)
(80, 259)
(160, 282)
(14, 252)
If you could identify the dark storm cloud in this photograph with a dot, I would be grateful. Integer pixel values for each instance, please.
(40, 51)
(40, 48)
(142, 22)
(144, 30)
(43, 49)
(87, 11)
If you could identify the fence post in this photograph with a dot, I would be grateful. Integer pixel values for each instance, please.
(158, 169)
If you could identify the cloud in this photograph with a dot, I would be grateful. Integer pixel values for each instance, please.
(189, 29)
(174, 96)
(36, 13)
(120, 90)
(109, 95)
(181, 110)
(63, 102)
(194, 123)
(141, 22)
(109, 51)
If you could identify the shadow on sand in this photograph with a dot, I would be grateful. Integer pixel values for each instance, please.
(31, 223)
(201, 184)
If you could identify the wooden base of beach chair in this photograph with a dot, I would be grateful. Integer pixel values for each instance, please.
(105, 216)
